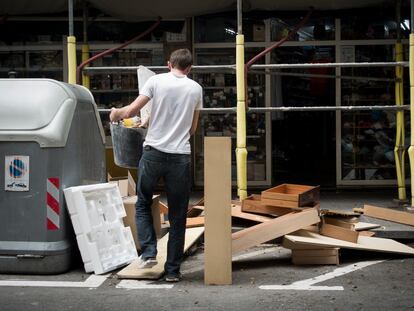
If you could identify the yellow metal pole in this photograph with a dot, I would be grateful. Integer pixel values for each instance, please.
(399, 150)
(71, 59)
(411, 149)
(85, 57)
(241, 151)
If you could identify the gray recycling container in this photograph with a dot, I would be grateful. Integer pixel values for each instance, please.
(51, 138)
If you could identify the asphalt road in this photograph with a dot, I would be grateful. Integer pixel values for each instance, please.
(363, 281)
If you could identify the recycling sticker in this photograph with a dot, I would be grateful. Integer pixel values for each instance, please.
(16, 173)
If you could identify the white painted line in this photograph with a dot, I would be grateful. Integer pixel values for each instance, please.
(300, 287)
(135, 284)
(308, 283)
(235, 258)
(93, 281)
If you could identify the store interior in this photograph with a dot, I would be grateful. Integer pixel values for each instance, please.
(327, 148)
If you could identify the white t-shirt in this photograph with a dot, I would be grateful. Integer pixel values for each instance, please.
(174, 100)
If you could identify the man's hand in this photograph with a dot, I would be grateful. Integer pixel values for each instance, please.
(114, 115)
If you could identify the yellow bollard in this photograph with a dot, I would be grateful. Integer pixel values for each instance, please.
(241, 151)
(85, 56)
(411, 149)
(399, 150)
(71, 40)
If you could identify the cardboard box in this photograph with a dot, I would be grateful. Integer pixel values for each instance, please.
(129, 219)
(126, 185)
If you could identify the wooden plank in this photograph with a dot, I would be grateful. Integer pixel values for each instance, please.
(280, 203)
(200, 207)
(342, 213)
(217, 192)
(338, 222)
(366, 233)
(193, 212)
(321, 256)
(359, 226)
(318, 252)
(400, 217)
(317, 260)
(304, 239)
(195, 222)
(163, 208)
(254, 204)
(132, 186)
(133, 272)
(273, 229)
(237, 212)
(339, 233)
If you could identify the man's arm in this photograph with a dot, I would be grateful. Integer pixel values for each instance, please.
(129, 111)
(195, 122)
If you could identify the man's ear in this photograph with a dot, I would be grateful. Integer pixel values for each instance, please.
(169, 65)
(188, 69)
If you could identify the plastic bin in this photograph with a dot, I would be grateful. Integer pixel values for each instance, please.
(128, 144)
(51, 138)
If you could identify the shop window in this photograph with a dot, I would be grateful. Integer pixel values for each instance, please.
(315, 29)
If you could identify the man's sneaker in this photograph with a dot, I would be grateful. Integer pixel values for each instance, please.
(144, 263)
(172, 278)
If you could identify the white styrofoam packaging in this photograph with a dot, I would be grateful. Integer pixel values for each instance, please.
(96, 212)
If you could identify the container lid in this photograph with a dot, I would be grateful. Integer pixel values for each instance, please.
(40, 110)
(29, 104)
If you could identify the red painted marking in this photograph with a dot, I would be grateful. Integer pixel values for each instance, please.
(54, 181)
(52, 203)
(51, 225)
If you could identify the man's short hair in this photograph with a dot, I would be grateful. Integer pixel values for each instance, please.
(181, 59)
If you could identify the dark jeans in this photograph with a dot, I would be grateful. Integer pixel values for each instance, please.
(175, 169)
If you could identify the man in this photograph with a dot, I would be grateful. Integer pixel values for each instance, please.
(176, 101)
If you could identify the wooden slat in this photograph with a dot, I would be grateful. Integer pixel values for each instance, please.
(133, 272)
(280, 203)
(254, 204)
(359, 226)
(400, 217)
(325, 260)
(163, 208)
(321, 256)
(132, 186)
(236, 212)
(339, 233)
(272, 229)
(342, 213)
(366, 233)
(304, 239)
(195, 222)
(193, 212)
(339, 223)
(217, 192)
(318, 252)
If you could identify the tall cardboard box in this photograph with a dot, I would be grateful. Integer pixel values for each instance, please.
(129, 219)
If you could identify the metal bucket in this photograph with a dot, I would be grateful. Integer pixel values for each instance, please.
(127, 144)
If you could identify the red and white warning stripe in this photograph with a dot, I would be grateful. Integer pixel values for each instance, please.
(53, 209)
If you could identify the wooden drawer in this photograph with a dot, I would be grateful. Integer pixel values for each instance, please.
(290, 195)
